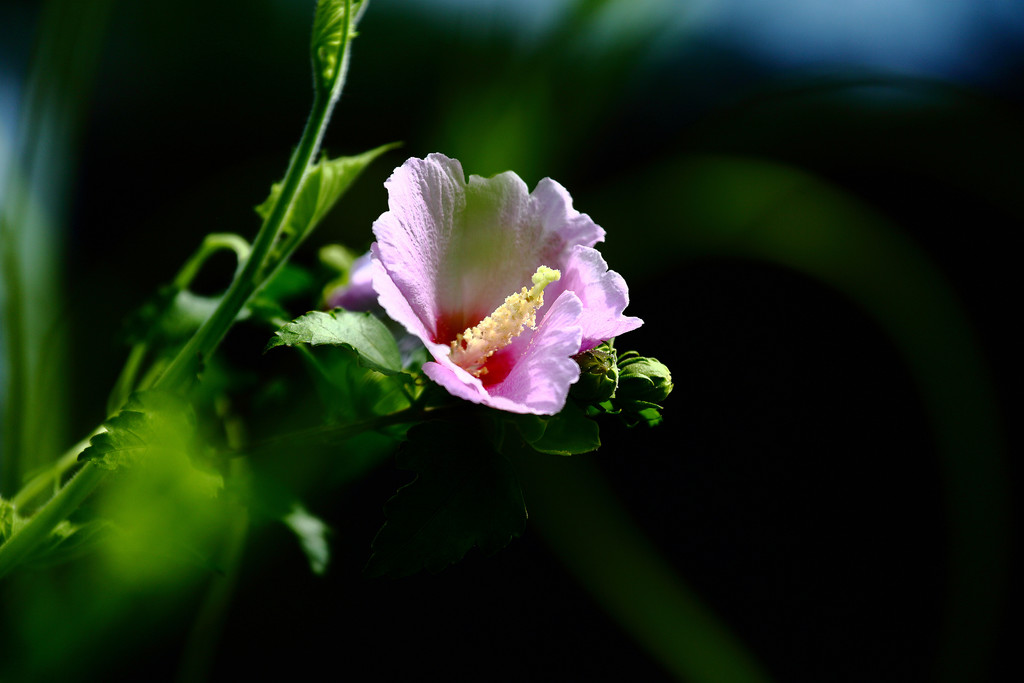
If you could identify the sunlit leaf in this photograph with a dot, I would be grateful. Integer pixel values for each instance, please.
(466, 494)
(361, 332)
(327, 181)
(152, 423)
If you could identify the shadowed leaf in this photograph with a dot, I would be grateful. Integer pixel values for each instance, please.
(568, 433)
(466, 494)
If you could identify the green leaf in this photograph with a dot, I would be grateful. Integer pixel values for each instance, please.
(326, 182)
(568, 433)
(151, 423)
(312, 534)
(352, 392)
(289, 283)
(333, 26)
(466, 494)
(338, 258)
(361, 332)
(531, 427)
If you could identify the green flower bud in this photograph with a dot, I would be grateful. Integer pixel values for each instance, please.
(599, 376)
(643, 379)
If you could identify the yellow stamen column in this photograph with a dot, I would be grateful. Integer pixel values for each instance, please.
(475, 345)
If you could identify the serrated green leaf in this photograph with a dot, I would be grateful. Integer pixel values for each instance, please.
(151, 423)
(361, 332)
(312, 534)
(568, 433)
(466, 494)
(326, 182)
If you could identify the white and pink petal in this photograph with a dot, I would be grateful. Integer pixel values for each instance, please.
(603, 292)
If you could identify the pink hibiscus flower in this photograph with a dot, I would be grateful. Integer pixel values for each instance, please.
(502, 285)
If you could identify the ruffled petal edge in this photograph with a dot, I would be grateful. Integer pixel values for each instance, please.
(604, 295)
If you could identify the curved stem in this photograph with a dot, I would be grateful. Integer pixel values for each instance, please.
(210, 334)
(127, 381)
(212, 243)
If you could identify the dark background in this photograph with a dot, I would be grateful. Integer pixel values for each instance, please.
(815, 226)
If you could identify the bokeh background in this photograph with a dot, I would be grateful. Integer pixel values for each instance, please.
(813, 204)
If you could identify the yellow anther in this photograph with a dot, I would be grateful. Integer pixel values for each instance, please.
(475, 345)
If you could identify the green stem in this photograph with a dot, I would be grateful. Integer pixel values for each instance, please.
(179, 374)
(256, 269)
(212, 243)
(21, 544)
(127, 380)
(204, 342)
(330, 95)
(49, 480)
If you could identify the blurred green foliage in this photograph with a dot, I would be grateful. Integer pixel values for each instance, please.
(822, 258)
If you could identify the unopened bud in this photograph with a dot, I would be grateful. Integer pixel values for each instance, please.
(643, 379)
(599, 376)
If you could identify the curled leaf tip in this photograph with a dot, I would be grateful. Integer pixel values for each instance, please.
(333, 29)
